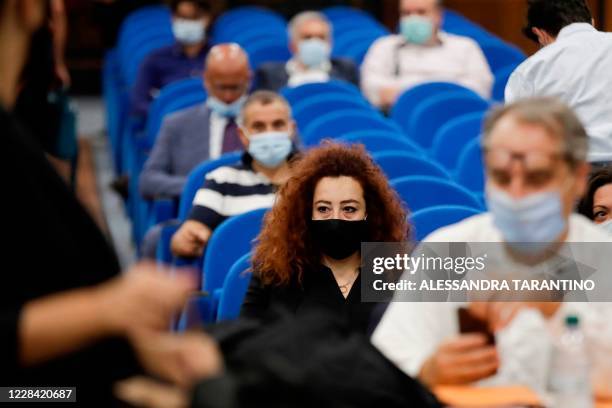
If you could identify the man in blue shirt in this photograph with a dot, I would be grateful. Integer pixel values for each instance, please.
(190, 20)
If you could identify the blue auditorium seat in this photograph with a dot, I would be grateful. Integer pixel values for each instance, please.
(231, 23)
(300, 93)
(381, 140)
(453, 136)
(420, 192)
(470, 168)
(430, 219)
(309, 109)
(500, 54)
(267, 51)
(397, 164)
(343, 42)
(231, 239)
(175, 96)
(433, 113)
(336, 124)
(234, 289)
(195, 180)
(501, 80)
(403, 109)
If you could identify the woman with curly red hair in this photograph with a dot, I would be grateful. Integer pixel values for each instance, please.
(308, 253)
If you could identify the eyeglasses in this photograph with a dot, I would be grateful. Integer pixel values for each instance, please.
(539, 168)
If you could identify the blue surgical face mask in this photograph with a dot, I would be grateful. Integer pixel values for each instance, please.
(606, 226)
(227, 110)
(188, 32)
(416, 29)
(313, 52)
(270, 148)
(536, 218)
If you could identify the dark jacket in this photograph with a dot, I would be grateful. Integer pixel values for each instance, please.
(273, 76)
(51, 245)
(318, 292)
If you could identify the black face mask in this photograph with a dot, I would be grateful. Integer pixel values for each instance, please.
(339, 239)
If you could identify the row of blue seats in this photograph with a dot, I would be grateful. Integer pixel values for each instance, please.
(458, 126)
(223, 277)
(238, 276)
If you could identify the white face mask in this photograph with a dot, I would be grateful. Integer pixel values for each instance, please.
(188, 32)
(606, 226)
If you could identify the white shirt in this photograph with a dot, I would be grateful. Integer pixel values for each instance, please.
(577, 68)
(392, 62)
(300, 76)
(217, 131)
(409, 333)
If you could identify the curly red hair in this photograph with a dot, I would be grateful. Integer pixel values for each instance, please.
(285, 248)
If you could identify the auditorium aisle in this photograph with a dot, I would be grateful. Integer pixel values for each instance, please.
(95, 175)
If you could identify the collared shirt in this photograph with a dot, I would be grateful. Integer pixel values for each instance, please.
(163, 66)
(300, 76)
(577, 69)
(217, 131)
(409, 333)
(231, 190)
(392, 62)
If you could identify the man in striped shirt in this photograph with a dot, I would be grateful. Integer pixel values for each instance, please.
(267, 131)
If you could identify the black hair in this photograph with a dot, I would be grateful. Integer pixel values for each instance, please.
(553, 15)
(204, 5)
(598, 179)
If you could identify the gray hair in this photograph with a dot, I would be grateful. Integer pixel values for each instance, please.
(300, 18)
(264, 98)
(550, 113)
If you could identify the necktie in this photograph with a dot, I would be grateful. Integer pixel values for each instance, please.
(231, 141)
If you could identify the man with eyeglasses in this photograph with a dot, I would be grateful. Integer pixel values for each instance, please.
(535, 158)
(198, 133)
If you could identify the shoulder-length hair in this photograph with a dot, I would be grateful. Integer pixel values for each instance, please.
(286, 249)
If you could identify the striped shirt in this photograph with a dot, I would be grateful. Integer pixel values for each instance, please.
(231, 190)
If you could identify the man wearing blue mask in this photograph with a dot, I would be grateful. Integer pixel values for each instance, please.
(535, 158)
(198, 133)
(420, 53)
(184, 59)
(267, 133)
(310, 36)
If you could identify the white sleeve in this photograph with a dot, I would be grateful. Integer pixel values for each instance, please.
(377, 69)
(411, 332)
(517, 88)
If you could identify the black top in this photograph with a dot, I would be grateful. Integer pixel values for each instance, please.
(50, 245)
(273, 76)
(319, 291)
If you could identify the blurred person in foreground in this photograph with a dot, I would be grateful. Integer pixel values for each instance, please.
(199, 133)
(535, 158)
(308, 255)
(267, 132)
(574, 65)
(420, 53)
(310, 35)
(66, 316)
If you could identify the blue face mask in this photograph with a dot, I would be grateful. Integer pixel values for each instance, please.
(227, 110)
(188, 32)
(270, 148)
(313, 52)
(606, 226)
(536, 218)
(416, 29)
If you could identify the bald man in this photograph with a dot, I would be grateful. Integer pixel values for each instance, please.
(198, 133)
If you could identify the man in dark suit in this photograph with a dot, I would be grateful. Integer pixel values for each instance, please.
(311, 39)
(198, 133)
